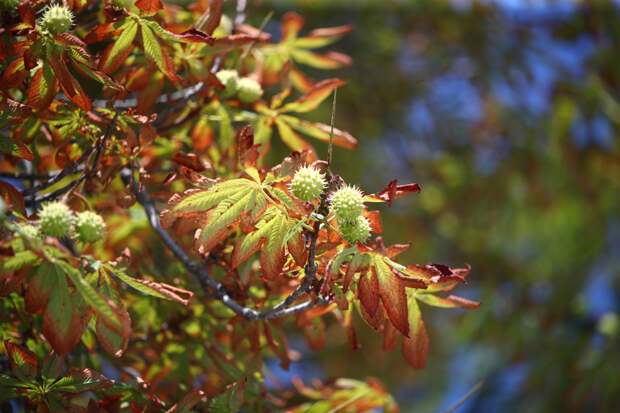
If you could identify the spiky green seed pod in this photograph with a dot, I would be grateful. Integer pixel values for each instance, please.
(56, 219)
(230, 80)
(347, 203)
(31, 233)
(2, 209)
(57, 19)
(249, 90)
(89, 226)
(308, 183)
(355, 231)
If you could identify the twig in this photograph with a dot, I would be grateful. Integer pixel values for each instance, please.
(27, 175)
(202, 277)
(240, 12)
(464, 398)
(331, 133)
(33, 202)
(69, 170)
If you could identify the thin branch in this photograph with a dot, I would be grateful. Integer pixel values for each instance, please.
(33, 202)
(27, 176)
(202, 277)
(464, 398)
(69, 170)
(331, 133)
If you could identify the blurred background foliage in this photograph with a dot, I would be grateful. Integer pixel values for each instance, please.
(507, 113)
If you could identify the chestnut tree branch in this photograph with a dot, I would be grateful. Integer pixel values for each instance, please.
(211, 286)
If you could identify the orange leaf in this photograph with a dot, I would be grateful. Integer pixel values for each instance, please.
(12, 197)
(69, 84)
(415, 348)
(149, 7)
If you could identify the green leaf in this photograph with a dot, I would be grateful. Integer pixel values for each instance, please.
(19, 260)
(151, 46)
(290, 138)
(229, 401)
(60, 321)
(104, 309)
(115, 55)
(155, 289)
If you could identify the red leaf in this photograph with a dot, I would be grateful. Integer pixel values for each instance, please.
(297, 247)
(389, 337)
(393, 191)
(374, 217)
(42, 88)
(63, 323)
(373, 321)
(291, 25)
(27, 13)
(14, 74)
(215, 15)
(100, 33)
(415, 348)
(93, 379)
(69, 84)
(190, 160)
(67, 39)
(195, 36)
(149, 7)
(368, 293)
(12, 197)
(111, 341)
(392, 292)
(336, 31)
(149, 94)
(21, 358)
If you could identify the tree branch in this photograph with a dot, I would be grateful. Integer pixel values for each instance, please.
(71, 169)
(202, 277)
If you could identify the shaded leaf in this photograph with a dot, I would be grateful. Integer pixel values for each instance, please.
(415, 347)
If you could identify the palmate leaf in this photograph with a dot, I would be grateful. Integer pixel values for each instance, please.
(271, 232)
(156, 53)
(115, 54)
(65, 316)
(223, 204)
(258, 208)
(42, 88)
(279, 114)
(388, 289)
(297, 49)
